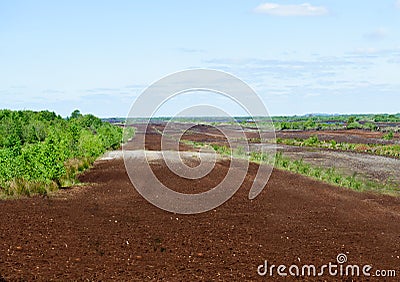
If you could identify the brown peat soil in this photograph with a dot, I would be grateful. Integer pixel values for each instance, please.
(106, 231)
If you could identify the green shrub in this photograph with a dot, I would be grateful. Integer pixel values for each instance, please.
(35, 149)
(370, 126)
(388, 136)
(354, 125)
(311, 141)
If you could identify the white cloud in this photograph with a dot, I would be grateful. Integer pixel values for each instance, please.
(304, 9)
(377, 53)
(377, 34)
(397, 4)
(312, 95)
(365, 51)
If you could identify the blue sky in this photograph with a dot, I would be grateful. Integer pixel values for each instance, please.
(300, 56)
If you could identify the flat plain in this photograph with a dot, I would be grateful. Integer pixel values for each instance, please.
(105, 230)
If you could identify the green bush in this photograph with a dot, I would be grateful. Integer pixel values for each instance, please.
(370, 126)
(388, 136)
(354, 125)
(36, 148)
(311, 141)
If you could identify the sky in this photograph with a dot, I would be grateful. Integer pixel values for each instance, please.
(300, 57)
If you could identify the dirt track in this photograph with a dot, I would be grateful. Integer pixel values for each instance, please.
(106, 230)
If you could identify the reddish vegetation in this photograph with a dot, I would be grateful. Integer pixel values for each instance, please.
(106, 230)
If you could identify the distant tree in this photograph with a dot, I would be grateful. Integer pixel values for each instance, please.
(76, 114)
(47, 115)
(90, 121)
(309, 124)
(351, 120)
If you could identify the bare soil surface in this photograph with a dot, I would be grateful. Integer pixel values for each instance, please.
(106, 231)
(349, 136)
(376, 168)
(370, 167)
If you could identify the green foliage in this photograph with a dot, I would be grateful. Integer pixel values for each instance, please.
(390, 150)
(36, 148)
(311, 141)
(75, 114)
(223, 150)
(387, 118)
(351, 120)
(354, 125)
(388, 136)
(308, 122)
(370, 126)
